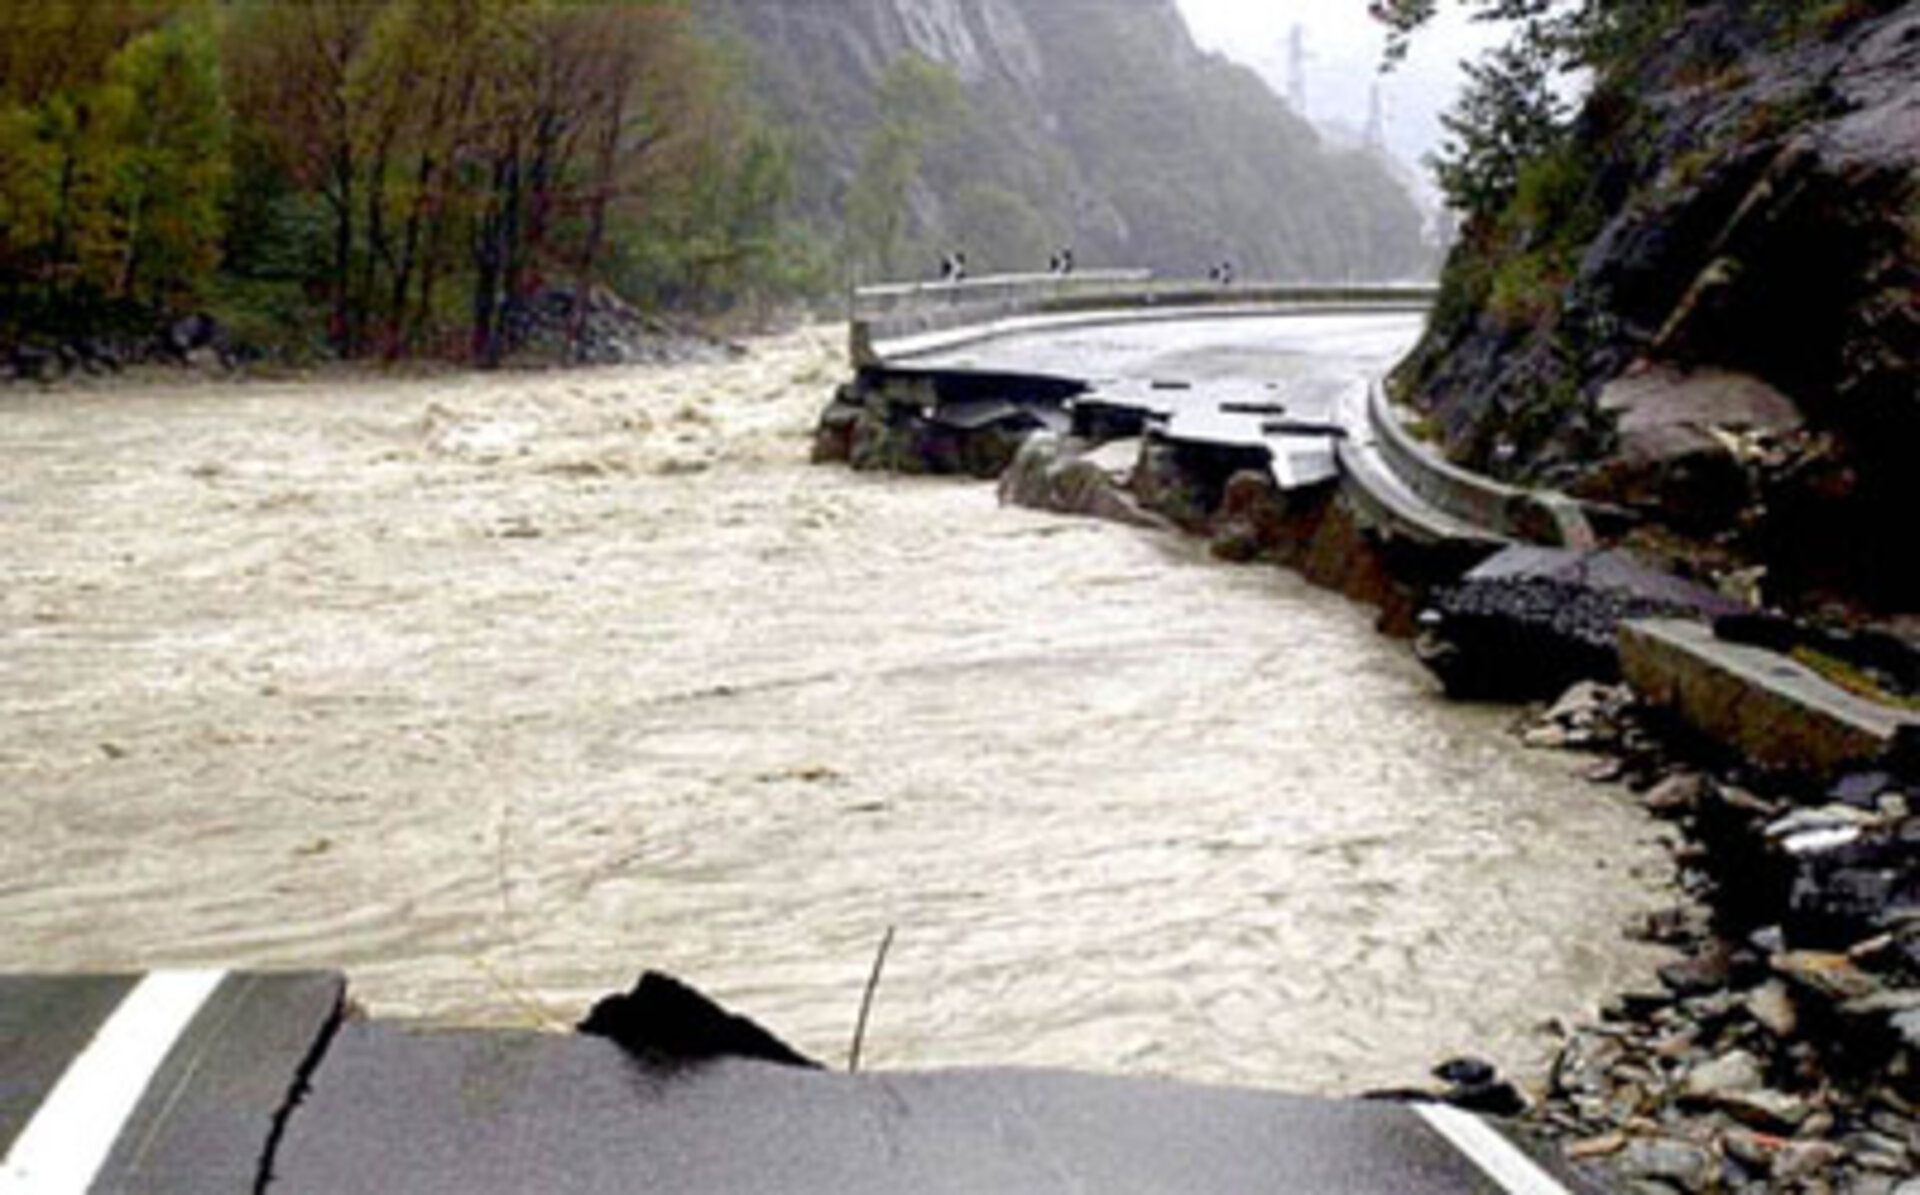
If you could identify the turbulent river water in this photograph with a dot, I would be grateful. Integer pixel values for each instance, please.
(492, 691)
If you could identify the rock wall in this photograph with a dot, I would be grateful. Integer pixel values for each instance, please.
(1096, 124)
(1747, 204)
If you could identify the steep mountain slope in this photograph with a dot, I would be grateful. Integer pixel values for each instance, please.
(1092, 122)
(1707, 307)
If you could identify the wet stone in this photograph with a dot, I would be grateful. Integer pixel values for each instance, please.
(1766, 1108)
(1697, 976)
(1907, 1025)
(1831, 976)
(1772, 1006)
(1806, 1159)
(1875, 1152)
(1736, 1072)
(1686, 1166)
(1679, 793)
(1604, 1146)
(1752, 1150)
(1863, 790)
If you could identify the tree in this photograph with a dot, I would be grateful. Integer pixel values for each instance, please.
(1001, 228)
(1508, 115)
(419, 168)
(293, 67)
(115, 132)
(164, 109)
(917, 100)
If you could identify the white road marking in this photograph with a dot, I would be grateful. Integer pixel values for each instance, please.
(1494, 1154)
(63, 1147)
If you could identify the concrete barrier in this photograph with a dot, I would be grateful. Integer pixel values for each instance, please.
(1774, 710)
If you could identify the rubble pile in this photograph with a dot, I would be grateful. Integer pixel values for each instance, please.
(197, 342)
(1531, 621)
(1782, 1051)
(548, 326)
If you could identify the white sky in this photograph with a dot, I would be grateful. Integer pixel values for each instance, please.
(1344, 44)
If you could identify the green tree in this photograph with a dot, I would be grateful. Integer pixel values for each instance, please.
(1001, 228)
(164, 114)
(917, 101)
(31, 162)
(64, 146)
(1507, 116)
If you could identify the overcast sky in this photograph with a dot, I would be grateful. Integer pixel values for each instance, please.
(1344, 47)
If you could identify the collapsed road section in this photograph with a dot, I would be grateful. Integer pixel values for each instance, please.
(210, 1082)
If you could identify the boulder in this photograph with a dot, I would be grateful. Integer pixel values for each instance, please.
(1027, 480)
(190, 333)
(1829, 977)
(1167, 483)
(1772, 1006)
(1046, 474)
(36, 363)
(1686, 443)
(833, 437)
(1738, 1071)
(1252, 521)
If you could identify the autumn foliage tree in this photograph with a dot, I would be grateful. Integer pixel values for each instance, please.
(401, 174)
(113, 148)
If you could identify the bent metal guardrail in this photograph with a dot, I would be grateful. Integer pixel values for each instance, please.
(1531, 516)
(902, 320)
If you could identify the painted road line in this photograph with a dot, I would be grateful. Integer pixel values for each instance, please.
(61, 1150)
(1514, 1171)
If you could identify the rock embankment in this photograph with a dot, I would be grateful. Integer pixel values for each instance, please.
(198, 342)
(1782, 1053)
(1225, 494)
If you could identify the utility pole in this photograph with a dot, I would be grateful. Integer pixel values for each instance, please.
(1297, 57)
(1377, 120)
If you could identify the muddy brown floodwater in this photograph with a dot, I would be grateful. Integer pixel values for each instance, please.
(492, 691)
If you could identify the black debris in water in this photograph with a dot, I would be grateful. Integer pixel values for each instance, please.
(664, 1021)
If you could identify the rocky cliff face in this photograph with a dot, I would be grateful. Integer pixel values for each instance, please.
(1709, 311)
(1094, 123)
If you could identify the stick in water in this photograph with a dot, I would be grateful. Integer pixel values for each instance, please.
(866, 1002)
